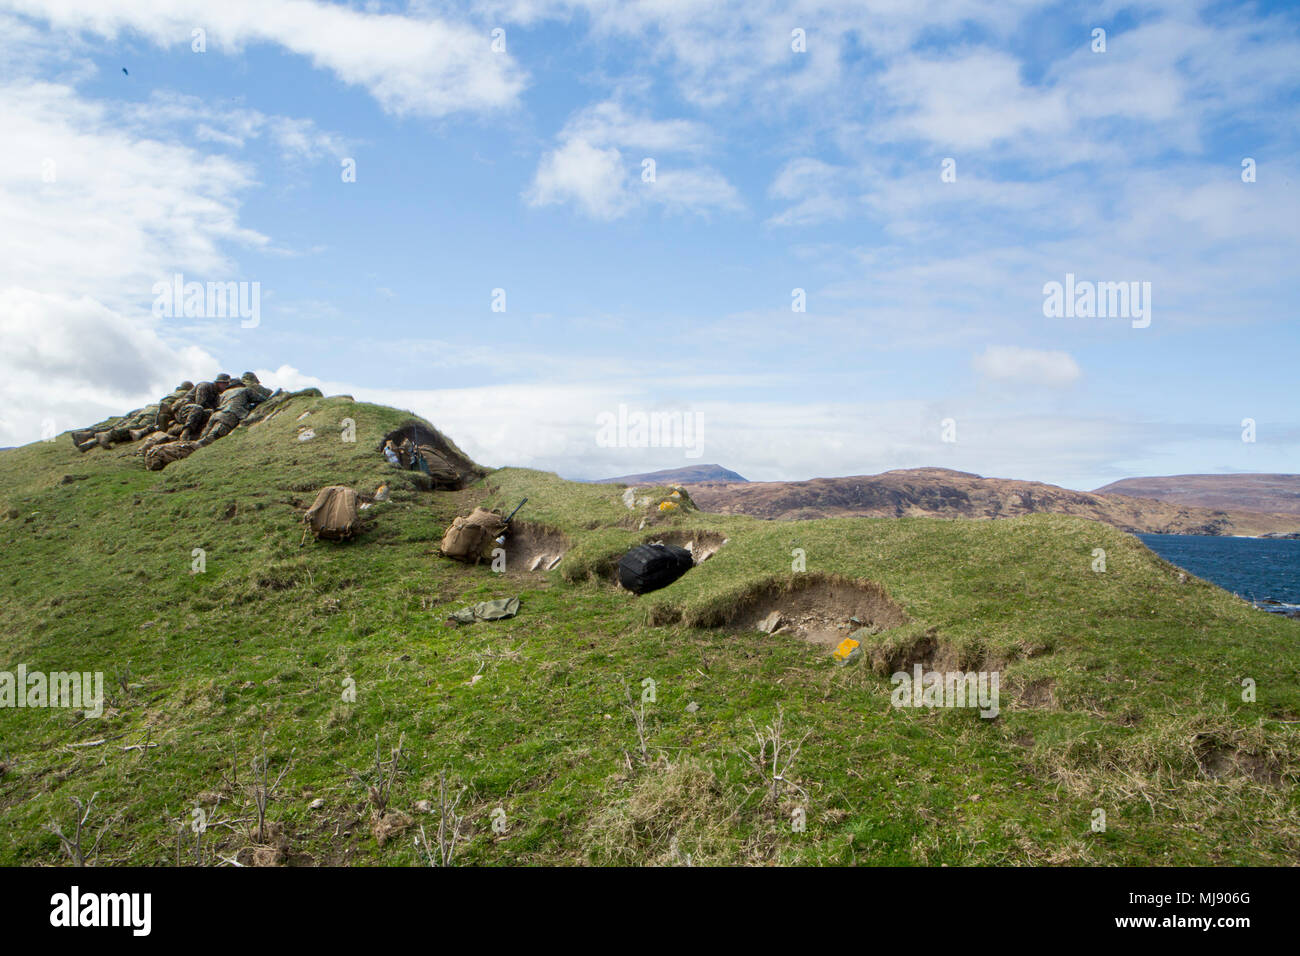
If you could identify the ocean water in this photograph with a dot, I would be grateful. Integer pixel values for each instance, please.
(1257, 569)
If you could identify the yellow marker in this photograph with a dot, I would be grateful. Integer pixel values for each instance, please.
(846, 648)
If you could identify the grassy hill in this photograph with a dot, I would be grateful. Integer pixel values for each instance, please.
(1121, 691)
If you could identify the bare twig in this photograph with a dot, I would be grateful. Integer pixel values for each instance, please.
(72, 846)
(381, 789)
(638, 719)
(448, 826)
(263, 788)
(783, 752)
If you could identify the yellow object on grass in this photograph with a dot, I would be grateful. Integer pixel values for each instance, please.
(846, 647)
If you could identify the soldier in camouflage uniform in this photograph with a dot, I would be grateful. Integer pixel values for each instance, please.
(198, 414)
(237, 402)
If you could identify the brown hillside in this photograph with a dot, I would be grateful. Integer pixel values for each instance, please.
(943, 493)
(1279, 494)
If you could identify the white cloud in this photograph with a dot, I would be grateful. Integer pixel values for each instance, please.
(426, 66)
(73, 362)
(1009, 363)
(816, 189)
(576, 171)
(554, 427)
(296, 138)
(608, 123)
(590, 168)
(120, 209)
(688, 190)
(94, 209)
(971, 101)
(721, 54)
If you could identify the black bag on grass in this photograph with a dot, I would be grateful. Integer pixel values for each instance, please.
(649, 567)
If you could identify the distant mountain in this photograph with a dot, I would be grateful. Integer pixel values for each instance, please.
(676, 476)
(1276, 493)
(943, 493)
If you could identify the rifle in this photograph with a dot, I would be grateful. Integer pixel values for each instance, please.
(506, 525)
(516, 511)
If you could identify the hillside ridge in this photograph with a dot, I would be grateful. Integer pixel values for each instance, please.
(1278, 493)
(944, 493)
(224, 638)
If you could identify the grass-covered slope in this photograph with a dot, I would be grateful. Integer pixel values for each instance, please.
(1120, 691)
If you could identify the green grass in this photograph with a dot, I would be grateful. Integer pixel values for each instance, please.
(1120, 690)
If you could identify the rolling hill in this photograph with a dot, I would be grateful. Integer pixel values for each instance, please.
(676, 476)
(1273, 493)
(943, 493)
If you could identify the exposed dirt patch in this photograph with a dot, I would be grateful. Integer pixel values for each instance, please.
(534, 548)
(820, 609)
(1037, 694)
(701, 544)
(274, 852)
(1220, 762)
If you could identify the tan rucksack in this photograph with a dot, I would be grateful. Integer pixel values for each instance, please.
(333, 515)
(470, 539)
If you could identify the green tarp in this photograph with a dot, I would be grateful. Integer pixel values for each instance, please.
(487, 611)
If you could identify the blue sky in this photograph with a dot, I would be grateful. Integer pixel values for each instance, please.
(775, 169)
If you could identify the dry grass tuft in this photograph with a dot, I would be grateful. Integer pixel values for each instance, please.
(676, 814)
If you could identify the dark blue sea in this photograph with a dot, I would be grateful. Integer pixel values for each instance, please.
(1263, 570)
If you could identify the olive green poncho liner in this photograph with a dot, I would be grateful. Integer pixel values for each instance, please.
(486, 611)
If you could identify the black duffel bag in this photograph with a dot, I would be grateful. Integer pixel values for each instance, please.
(649, 567)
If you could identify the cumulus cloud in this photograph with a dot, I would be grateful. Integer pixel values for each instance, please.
(90, 204)
(1020, 366)
(411, 65)
(70, 362)
(94, 209)
(593, 178)
(590, 168)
